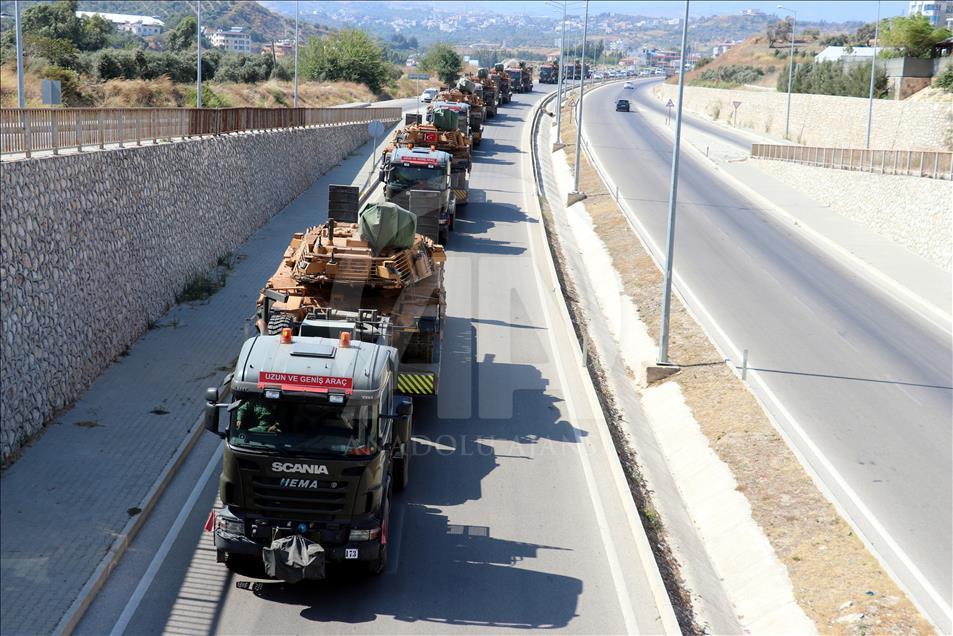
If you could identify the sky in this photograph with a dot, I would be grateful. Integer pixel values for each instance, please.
(813, 10)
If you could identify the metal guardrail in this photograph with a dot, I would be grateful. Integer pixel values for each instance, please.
(916, 163)
(28, 130)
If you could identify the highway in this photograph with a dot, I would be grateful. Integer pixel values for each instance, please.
(867, 381)
(514, 518)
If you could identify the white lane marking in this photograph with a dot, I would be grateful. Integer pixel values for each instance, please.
(393, 556)
(622, 592)
(170, 538)
(691, 302)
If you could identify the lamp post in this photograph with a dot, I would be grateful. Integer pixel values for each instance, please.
(582, 90)
(296, 53)
(559, 79)
(787, 119)
(672, 197)
(873, 73)
(198, 44)
(21, 97)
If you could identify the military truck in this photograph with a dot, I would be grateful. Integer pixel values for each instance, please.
(418, 179)
(491, 93)
(502, 80)
(464, 93)
(442, 133)
(516, 78)
(316, 442)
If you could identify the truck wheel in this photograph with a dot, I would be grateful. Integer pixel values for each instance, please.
(277, 322)
(443, 237)
(402, 469)
(244, 564)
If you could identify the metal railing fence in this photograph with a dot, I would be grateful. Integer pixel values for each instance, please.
(917, 163)
(28, 130)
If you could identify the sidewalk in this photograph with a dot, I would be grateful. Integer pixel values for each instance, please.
(72, 500)
(920, 284)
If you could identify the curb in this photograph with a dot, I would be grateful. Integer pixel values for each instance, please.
(123, 540)
(666, 618)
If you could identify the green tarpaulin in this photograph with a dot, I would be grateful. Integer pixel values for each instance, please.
(387, 225)
(445, 119)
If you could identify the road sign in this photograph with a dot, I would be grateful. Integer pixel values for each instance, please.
(50, 91)
(418, 76)
(736, 104)
(669, 104)
(375, 128)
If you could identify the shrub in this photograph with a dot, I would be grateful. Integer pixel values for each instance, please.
(70, 88)
(945, 79)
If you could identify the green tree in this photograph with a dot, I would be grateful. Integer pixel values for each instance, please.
(349, 55)
(95, 34)
(945, 79)
(56, 51)
(443, 61)
(182, 37)
(56, 21)
(914, 35)
(70, 88)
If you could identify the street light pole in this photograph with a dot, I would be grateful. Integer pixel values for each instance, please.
(873, 73)
(582, 90)
(559, 88)
(672, 197)
(21, 97)
(296, 53)
(198, 44)
(787, 119)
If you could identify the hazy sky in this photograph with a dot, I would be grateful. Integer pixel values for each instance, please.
(865, 10)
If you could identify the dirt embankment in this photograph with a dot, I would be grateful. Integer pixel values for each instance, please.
(836, 581)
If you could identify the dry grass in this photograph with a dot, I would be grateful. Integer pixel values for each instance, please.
(832, 572)
(755, 52)
(412, 88)
(163, 92)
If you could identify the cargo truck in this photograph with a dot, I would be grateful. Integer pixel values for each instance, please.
(442, 133)
(318, 435)
(502, 80)
(418, 179)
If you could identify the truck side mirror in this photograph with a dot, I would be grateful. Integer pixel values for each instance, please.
(382, 176)
(211, 411)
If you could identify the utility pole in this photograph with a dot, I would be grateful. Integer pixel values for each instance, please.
(787, 119)
(198, 44)
(559, 88)
(672, 197)
(21, 97)
(873, 74)
(582, 91)
(296, 53)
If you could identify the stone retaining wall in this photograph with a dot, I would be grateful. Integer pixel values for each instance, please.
(94, 247)
(912, 211)
(826, 120)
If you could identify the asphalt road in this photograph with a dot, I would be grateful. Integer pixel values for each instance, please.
(867, 380)
(503, 526)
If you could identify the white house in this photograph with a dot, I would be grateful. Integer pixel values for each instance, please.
(844, 54)
(138, 24)
(235, 39)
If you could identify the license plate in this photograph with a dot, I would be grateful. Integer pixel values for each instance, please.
(350, 553)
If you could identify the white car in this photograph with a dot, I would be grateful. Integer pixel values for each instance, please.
(428, 95)
(628, 85)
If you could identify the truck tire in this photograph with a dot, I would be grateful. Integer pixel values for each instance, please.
(443, 237)
(244, 564)
(277, 322)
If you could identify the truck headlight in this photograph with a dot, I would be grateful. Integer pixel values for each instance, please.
(230, 525)
(366, 534)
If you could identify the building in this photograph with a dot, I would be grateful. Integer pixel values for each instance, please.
(720, 48)
(141, 25)
(281, 48)
(752, 12)
(236, 39)
(938, 12)
(845, 54)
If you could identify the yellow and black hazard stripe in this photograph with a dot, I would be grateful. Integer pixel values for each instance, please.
(460, 194)
(416, 383)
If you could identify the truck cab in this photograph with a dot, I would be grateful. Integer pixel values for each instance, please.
(407, 172)
(315, 443)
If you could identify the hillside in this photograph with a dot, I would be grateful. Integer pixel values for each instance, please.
(263, 24)
(756, 53)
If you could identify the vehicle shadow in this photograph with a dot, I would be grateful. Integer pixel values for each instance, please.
(449, 574)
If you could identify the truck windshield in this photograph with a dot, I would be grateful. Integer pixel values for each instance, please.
(416, 178)
(305, 427)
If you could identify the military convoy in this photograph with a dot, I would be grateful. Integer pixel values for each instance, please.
(319, 406)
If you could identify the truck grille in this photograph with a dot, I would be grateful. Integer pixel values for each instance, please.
(320, 497)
